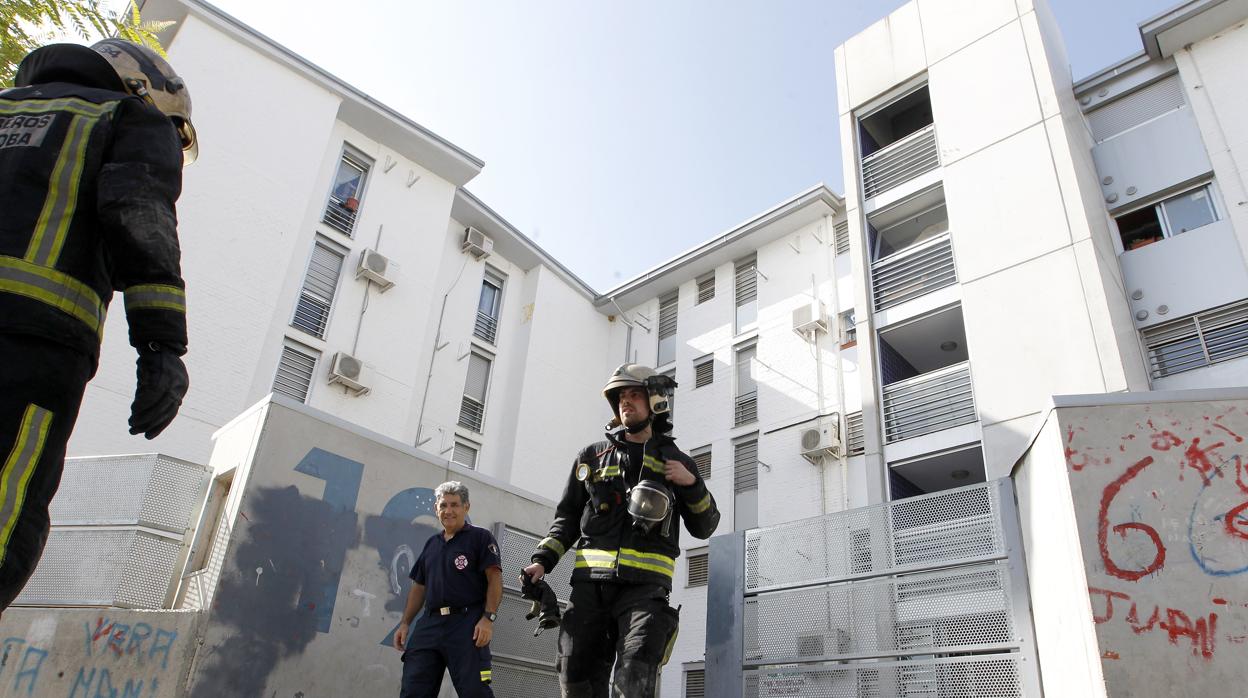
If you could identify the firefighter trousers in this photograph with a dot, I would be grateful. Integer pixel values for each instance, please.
(41, 387)
(628, 626)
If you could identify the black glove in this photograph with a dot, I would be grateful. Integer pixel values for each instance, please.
(545, 606)
(162, 382)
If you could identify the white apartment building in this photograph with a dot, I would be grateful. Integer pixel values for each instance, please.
(1006, 234)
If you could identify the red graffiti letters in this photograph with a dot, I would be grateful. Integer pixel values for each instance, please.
(1102, 528)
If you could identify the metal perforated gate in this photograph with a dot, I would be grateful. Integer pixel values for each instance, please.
(920, 597)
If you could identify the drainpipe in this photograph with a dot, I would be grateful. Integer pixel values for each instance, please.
(438, 345)
(838, 370)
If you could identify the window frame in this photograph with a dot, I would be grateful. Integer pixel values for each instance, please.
(1158, 206)
(305, 351)
(470, 445)
(319, 241)
(703, 553)
(699, 290)
(710, 461)
(485, 392)
(737, 395)
(708, 360)
(498, 281)
(848, 326)
(748, 262)
(349, 155)
(670, 301)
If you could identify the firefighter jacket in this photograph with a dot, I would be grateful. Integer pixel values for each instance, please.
(88, 180)
(593, 517)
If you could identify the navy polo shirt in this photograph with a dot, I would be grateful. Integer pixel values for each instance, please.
(453, 571)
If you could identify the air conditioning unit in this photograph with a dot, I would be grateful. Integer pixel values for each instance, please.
(347, 371)
(477, 243)
(822, 439)
(809, 318)
(373, 266)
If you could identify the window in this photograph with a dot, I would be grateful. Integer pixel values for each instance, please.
(840, 232)
(667, 329)
(294, 372)
(348, 188)
(671, 399)
(855, 444)
(1136, 108)
(465, 454)
(472, 406)
(1199, 340)
(1173, 216)
(849, 329)
(706, 288)
(746, 406)
(745, 483)
(746, 293)
(695, 683)
(698, 568)
(486, 327)
(703, 371)
(319, 285)
(702, 459)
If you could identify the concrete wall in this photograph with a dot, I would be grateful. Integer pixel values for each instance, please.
(1159, 485)
(88, 652)
(325, 519)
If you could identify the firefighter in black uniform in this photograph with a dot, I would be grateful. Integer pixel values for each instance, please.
(619, 510)
(92, 144)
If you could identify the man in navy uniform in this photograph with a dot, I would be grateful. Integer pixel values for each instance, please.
(458, 581)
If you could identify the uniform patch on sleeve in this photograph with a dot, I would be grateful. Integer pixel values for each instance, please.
(20, 130)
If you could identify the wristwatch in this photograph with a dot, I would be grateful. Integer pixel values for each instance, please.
(491, 616)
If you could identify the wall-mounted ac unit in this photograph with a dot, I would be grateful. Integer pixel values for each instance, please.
(822, 438)
(477, 243)
(348, 371)
(809, 318)
(373, 266)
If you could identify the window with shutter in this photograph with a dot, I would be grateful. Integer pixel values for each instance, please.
(667, 329)
(853, 427)
(840, 232)
(343, 206)
(702, 459)
(746, 293)
(698, 568)
(704, 371)
(746, 405)
(488, 305)
(1136, 108)
(706, 288)
(472, 406)
(319, 285)
(465, 454)
(695, 683)
(745, 465)
(294, 372)
(1198, 340)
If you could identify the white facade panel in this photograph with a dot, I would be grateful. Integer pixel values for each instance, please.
(883, 55)
(1152, 158)
(1185, 274)
(949, 25)
(980, 95)
(1005, 205)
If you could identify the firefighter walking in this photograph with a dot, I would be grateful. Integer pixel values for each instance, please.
(92, 145)
(618, 516)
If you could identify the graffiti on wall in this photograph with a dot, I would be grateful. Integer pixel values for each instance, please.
(1169, 497)
(118, 659)
(292, 562)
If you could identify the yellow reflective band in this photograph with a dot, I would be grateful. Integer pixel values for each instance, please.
(72, 105)
(485, 676)
(654, 464)
(18, 468)
(653, 562)
(701, 505)
(155, 297)
(552, 545)
(607, 471)
(595, 558)
(62, 198)
(57, 289)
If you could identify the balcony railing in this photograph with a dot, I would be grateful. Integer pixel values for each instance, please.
(900, 162)
(913, 272)
(471, 414)
(340, 215)
(928, 403)
(746, 410)
(486, 327)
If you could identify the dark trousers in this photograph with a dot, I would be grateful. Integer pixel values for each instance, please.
(41, 386)
(630, 626)
(439, 643)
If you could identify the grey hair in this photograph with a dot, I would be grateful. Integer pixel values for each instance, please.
(453, 487)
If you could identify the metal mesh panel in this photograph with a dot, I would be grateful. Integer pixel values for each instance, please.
(145, 580)
(989, 676)
(513, 635)
(102, 567)
(516, 681)
(960, 525)
(148, 490)
(951, 610)
(516, 548)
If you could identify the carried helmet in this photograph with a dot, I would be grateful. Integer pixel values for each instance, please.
(658, 387)
(649, 504)
(148, 75)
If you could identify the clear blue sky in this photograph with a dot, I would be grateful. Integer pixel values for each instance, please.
(618, 135)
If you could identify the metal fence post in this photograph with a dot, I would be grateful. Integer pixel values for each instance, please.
(725, 601)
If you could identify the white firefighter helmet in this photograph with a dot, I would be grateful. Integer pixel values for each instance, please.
(148, 75)
(657, 386)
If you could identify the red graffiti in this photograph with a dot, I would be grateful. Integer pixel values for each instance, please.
(1133, 619)
(1071, 452)
(101, 630)
(1110, 654)
(1198, 459)
(1164, 440)
(1102, 528)
(1202, 633)
(1109, 603)
(1236, 522)
(1238, 438)
(1240, 469)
